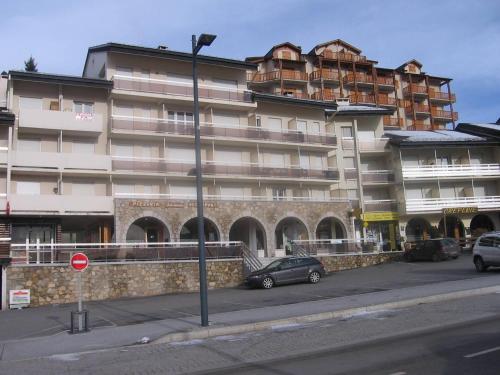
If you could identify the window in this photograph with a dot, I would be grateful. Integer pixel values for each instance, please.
(279, 193)
(258, 121)
(236, 192)
(79, 147)
(184, 154)
(180, 117)
(304, 161)
(231, 156)
(226, 83)
(31, 145)
(366, 134)
(124, 110)
(486, 241)
(302, 126)
(30, 103)
(227, 118)
(346, 132)
(124, 189)
(315, 128)
(349, 163)
(180, 78)
(124, 150)
(274, 124)
(185, 190)
(28, 188)
(82, 188)
(84, 107)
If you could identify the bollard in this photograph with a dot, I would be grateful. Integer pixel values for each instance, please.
(79, 322)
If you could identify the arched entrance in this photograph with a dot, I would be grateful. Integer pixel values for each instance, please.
(418, 229)
(147, 229)
(189, 231)
(330, 227)
(289, 229)
(454, 228)
(249, 231)
(481, 224)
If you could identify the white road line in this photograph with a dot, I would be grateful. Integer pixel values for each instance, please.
(398, 373)
(482, 352)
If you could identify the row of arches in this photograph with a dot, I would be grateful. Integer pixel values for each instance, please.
(420, 228)
(246, 229)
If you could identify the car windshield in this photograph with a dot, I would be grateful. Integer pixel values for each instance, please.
(273, 264)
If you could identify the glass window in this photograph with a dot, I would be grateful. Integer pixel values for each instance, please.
(258, 121)
(226, 83)
(314, 127)
(84, 107)
(302, 126)
(279, 193)
(30, 103)
(28, 188)
(347, 132)
(83, 147)
(31, 145)
(486, 241)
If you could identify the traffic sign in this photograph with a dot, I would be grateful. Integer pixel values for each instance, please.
(79, 261)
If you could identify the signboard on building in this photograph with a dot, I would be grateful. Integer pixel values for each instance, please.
(19, 298)
(380, 216)
(459, 210)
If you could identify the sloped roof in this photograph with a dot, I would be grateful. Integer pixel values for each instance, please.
(61, 79)
(481, 129)
(269, 53)
(335, 41)
(412, 61)
(423, 137)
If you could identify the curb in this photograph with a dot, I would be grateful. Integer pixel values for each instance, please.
(204, 333)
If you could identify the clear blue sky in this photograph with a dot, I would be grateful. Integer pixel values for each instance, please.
(452, 38)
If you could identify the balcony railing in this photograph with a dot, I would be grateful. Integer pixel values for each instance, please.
(350, 173)
(60, 204)
(276, 75)
(415, 89)
(327, 95)
(342, 56)
(374, 144)
(387, 101)
(419, 108)
(457, 170)
(216, 168)
(166, 87)
(359, 78)
(419, 125)
(377, 177)
(293, 94)
(209, 129)
(442, 96)
(437, 204)
(446, 115)
(325, 74)
(56, 121)
(385, 81)
(393, 121)
(362, 98)
(388, 205)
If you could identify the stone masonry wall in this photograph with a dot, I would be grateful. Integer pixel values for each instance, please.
(347, 262)
(54, 284)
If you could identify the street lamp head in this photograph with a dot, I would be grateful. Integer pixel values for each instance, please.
(206, 39)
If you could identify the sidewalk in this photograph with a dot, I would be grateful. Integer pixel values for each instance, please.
(243, 320)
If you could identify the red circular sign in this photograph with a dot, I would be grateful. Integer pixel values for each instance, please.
(79, 261)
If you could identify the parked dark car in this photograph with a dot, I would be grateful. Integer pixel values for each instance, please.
(435, 250)
(287, 271)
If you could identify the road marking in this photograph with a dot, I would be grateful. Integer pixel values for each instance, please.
(398, 373)
(482, 352)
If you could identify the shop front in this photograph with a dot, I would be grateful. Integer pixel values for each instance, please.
(382, 228)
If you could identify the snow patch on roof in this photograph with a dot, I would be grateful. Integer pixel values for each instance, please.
(432, 136)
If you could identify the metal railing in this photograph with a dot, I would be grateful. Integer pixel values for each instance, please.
(334, 247)
(377, 176)
(167, 87)
(432, 171)
(61, 253)
(210, 129)
(159, 165)
(387, 205)
(250, 260)
(437, 204)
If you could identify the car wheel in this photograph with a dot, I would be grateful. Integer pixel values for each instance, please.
(480, 266)
(267, 283)
(436, 257)
(314, 277)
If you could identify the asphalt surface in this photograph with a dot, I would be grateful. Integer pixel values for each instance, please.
(50, 320)
(452, 337)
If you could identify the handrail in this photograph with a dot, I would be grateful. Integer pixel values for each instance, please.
(437, 204)
(342, 56)
(328, 74)
(274, 75)
(440, 95)
(415, 89)
(251, 261)
(359, 77)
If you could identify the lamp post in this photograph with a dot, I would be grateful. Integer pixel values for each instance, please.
(203, 40)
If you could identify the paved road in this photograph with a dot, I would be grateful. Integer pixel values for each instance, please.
(53, 319)
(453, 337)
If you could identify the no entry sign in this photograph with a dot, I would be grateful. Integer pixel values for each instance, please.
(79, 261)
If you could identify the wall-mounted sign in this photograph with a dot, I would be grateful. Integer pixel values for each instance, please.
(459, 210)
(168, 204)
(19, 298)
(380, 216)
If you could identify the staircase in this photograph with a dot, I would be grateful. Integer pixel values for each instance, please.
(250, 261)
(298, 250)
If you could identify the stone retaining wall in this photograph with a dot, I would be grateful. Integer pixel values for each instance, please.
(346, 262)
(54, 284)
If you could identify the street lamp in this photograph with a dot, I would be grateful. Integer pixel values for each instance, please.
(203, 40)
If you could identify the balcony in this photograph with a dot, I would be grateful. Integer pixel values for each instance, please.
(342, 56)
(61, 204)
(326, 94)
(387, 101)
(385, 83)
(419, 125)
(350, 174)
(161, 126)
(437, 204)
(362, 98)
(46, 121)
(179, 89)
(421, 110)
(58, 161)
(373, 145)
(293, 94)
(359, 78)
(377, 177)
(393, 122)
(212, 168)
(440, 115)
(457, 170)
(384, 205)
(417, 90)
(277, 75)
(326, 75)
(439, 96)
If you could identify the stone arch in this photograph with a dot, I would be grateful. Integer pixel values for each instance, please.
(147, 213)
(418, 228)
(290, 228)
(345, 228)
(212, 231)
(147, 229)
(251, 236)
(481, 223)
(455, 228)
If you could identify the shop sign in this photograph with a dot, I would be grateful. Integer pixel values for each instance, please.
(19, 298)
(459, 210)
(168, 204)
(380, 216)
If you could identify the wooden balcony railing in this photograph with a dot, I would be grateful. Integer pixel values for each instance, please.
(387, 100)
(386, 81)
(326, 74)
(419, 125)
(326, 94)
(443, 96)
(393, 121)
(342, 56)
(420, 108)
(293, 94)
(360, 78)
(275, 75)
(362, 98)
(294, 75)
(415, 89)
(449, 115)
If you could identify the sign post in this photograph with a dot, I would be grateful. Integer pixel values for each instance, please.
(79, 262)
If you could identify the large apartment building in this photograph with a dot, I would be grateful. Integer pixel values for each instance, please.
(337, 71)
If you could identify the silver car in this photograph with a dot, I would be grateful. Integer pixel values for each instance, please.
(486, 251)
